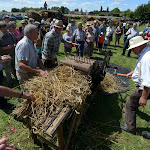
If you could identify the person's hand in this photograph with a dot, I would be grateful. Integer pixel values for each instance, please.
(142, 101)
(3, 143)
(10, 46)
(28, 96)
(129, 75)
(43, 73)
(6, 57)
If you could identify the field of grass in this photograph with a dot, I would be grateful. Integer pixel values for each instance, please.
(99, 129)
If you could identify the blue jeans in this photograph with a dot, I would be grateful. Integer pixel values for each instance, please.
(125, 47)
(81, 48)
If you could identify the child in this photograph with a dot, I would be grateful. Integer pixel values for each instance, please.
(100, 41)
(38, 46)
(106, 42)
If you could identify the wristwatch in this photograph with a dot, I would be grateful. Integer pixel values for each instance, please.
(21, 95)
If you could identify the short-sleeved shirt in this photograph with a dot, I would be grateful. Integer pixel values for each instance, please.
(26, 50)
(133, 33)
(96, 31)
(79, 35)
(51, 44)
(109, 31)
(142, 78)
(102, 28)
(67, 38)
(72, 28)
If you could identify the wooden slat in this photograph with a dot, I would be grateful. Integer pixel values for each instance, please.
(60, 118)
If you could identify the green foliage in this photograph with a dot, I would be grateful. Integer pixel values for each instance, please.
(76, 9)
(128, 13)
(54, 8)
(115, 10)
(143, 12)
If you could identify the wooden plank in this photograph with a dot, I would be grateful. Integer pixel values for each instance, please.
(60, 118)
(60, 136)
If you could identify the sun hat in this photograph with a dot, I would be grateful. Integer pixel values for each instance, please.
(88, 24)
(58, 24)
(80, 24)
(137, 41)
(141, 33)
(68, 29)
(6, 16)
(72, 20)
(23, 21)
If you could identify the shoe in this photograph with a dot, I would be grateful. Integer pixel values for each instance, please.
(126, 130)
(146, 134)
(122, 54)
(128, 55)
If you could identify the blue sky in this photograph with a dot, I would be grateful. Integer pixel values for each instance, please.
(88, 5)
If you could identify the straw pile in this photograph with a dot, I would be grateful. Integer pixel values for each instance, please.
(64, 86)
(110, 84)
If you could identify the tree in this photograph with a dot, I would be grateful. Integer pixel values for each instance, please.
(116, 10)
(15, 10)
(76, 9)
(101, 9)
(107, 9)
(81, 11)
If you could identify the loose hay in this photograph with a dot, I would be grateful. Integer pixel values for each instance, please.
(63, 86)
(110, 84)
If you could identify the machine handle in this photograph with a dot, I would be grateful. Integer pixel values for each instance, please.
(124, 75)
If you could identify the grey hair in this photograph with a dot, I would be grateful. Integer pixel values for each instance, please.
(29, 29)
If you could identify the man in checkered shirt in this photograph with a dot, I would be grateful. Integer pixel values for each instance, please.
(51, 44)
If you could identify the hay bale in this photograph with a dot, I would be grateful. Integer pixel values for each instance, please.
(35, 15)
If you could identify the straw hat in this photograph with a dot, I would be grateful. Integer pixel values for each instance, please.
(80, 24)
(58, 24)
(137, 41)
(68, 29)
(6, 16)
(23, 21)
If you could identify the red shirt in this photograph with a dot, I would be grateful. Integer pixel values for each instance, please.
(100, 39)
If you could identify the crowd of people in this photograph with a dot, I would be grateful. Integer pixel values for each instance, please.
(23, 53)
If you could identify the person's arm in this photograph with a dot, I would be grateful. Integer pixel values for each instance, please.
(143, 98)
(22, 65)
(8, 47)
(130, 74)
(40, 64)
(3, 143)
(5, 91)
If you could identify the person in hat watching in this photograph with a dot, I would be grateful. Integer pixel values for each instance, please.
(72, 26)
(26, 56)
(80, 36)
(21, 29)
(141, 77)
(132, 32)
(51, 44)
(6, 19)
(7, 47)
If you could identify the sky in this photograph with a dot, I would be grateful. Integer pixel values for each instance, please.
(88, 5)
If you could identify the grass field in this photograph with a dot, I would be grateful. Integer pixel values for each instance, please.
(100, 127)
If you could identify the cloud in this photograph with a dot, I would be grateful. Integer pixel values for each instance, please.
(23, 1)
(114, 3)
(125, 4)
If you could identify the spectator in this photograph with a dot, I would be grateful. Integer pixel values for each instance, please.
(21, 29)
(72, 26)
(147, 34)
(140, 76)
(132, 32)
(26, 57)
(106, 42)
(103, 27)
(125, 31)
(67, 37)
(42, 31)
(89, 44)
(109, 32)
(147, 27)
(6, 19)
(31, 20)
(95, 31)
(100, 41)
(7, 47)
(124, 26)
(80, 36)
(43, 21)
(52, 24)
(118, 33)
(51, 44)
(87, 27)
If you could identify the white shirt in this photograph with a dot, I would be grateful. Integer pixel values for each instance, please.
(109, 30)
(144, 64)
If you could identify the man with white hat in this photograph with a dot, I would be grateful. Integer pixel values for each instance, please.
(141, 77)
(51, 44)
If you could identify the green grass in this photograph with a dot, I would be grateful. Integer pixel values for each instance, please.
(100, 127)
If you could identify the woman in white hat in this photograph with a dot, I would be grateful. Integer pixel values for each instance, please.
(67, 37)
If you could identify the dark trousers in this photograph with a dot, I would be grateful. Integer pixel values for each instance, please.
(50, 63)
(81, 48)
(125, 47)
(131, 109)
(1, 77)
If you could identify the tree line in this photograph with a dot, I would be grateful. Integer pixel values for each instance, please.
(142, 12)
